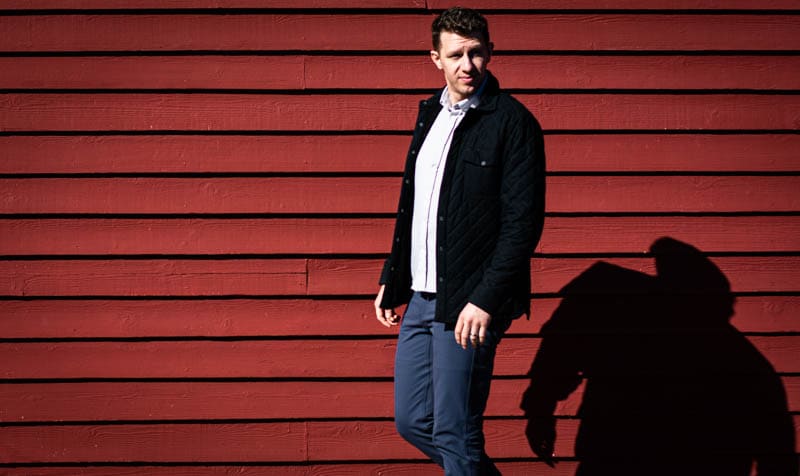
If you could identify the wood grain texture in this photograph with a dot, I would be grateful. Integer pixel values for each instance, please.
(386, 112)
(177, 401)
(269, 358)
(54, 319)
(205, 154)
(313, 236)
(549, 275)
(410, 32)
(413, 468)
(378, 153)
(620, 4)
(556, 72)
(327, 441)
(215, 4)
(332, 195)
(504, 439)
(431, 4)
(301, 72)
(154, 277)
(277, 277)
(156, 443)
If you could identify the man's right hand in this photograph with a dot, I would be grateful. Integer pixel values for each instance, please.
(387, 317)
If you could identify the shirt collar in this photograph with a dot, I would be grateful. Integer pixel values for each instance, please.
(461, 106)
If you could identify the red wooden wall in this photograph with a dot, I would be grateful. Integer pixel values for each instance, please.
(196, 196)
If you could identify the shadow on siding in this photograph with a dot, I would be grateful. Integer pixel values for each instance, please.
(671, 386)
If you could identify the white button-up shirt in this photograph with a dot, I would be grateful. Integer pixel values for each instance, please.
(427, 184)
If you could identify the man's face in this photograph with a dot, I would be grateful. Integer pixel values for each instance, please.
(463, 61)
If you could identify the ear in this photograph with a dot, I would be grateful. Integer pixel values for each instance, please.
(437, 60)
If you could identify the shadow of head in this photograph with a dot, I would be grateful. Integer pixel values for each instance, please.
(688, 277)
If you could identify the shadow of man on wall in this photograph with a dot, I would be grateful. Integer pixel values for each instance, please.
(671, 387)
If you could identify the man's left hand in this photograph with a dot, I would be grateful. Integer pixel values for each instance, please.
(472, 325)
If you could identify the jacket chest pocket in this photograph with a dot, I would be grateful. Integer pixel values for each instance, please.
(481, 174)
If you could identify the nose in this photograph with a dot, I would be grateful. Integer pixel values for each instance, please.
(466, 63)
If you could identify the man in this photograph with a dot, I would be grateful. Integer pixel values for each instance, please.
(470, 215)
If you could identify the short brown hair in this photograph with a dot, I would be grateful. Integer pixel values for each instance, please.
(462, 21)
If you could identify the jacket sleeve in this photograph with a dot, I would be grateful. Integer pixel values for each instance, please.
(522, 197)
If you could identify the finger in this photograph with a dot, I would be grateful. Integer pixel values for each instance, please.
(378, 312)
(482, 336)
(458, 329)
(465, 336)
(390, 316)
(474, 336)
(383, 320)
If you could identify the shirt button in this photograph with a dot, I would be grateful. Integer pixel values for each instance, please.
(441, 248)
(441, 279)
(407, 181)
(483, 163)
(402, 210)
(397, 240)
(441, 218)
(391, 268)
(421, 124)
(413, 152)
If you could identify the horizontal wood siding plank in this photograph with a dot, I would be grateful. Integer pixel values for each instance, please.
(413, 468)
(217, 4)
(199, 318)
(410, 32)
(54, 319)
(155, 443)
(331, 195)
(159, 277)
(119, 236)
(176, 401)
(431, 4)
(153, 72)
(377, 153)
(504, 439)
(558, 72)
(269, 359)
(229, 154)
(549, 275)
(614, 4)
(387, 112)
(396, 72)
(276, 277)
(260, 442)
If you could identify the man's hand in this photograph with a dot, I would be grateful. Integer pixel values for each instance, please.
(387, 317)
(472, 325)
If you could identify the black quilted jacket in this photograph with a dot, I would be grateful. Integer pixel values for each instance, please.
(491, 210)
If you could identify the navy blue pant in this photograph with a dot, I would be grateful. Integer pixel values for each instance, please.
(441, 390)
